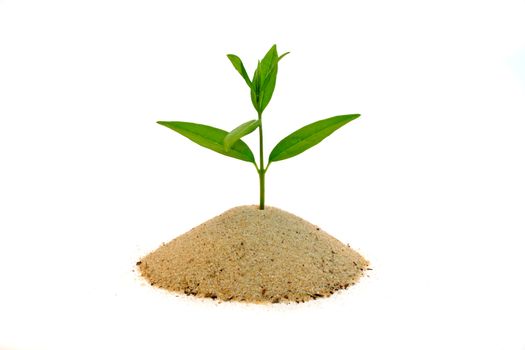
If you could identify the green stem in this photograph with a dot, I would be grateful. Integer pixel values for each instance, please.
(261, 187)
(261, 164)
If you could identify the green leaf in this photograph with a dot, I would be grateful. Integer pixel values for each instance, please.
(239, 66)
(269, 68)
(308, 136)
(239, 132)
(268, 62)
(212, 138)
(268, 88)
(256, 85)
(264, 79)
(268, 77)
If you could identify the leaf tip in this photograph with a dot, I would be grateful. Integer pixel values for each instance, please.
(284, 54)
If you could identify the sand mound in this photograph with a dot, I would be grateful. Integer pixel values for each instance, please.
(254, 255)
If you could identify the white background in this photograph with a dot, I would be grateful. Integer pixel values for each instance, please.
(428, 184)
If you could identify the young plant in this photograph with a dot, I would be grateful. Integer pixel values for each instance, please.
(230, 144)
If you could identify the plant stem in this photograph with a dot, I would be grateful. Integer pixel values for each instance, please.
(261, 164)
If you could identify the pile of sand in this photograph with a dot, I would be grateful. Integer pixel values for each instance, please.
(253, 255)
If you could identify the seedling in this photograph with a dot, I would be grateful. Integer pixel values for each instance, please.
(230, 144)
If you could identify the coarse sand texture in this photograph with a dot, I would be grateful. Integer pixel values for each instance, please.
(257, 256)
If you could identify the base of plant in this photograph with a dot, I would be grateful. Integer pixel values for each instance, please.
(257, 256)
